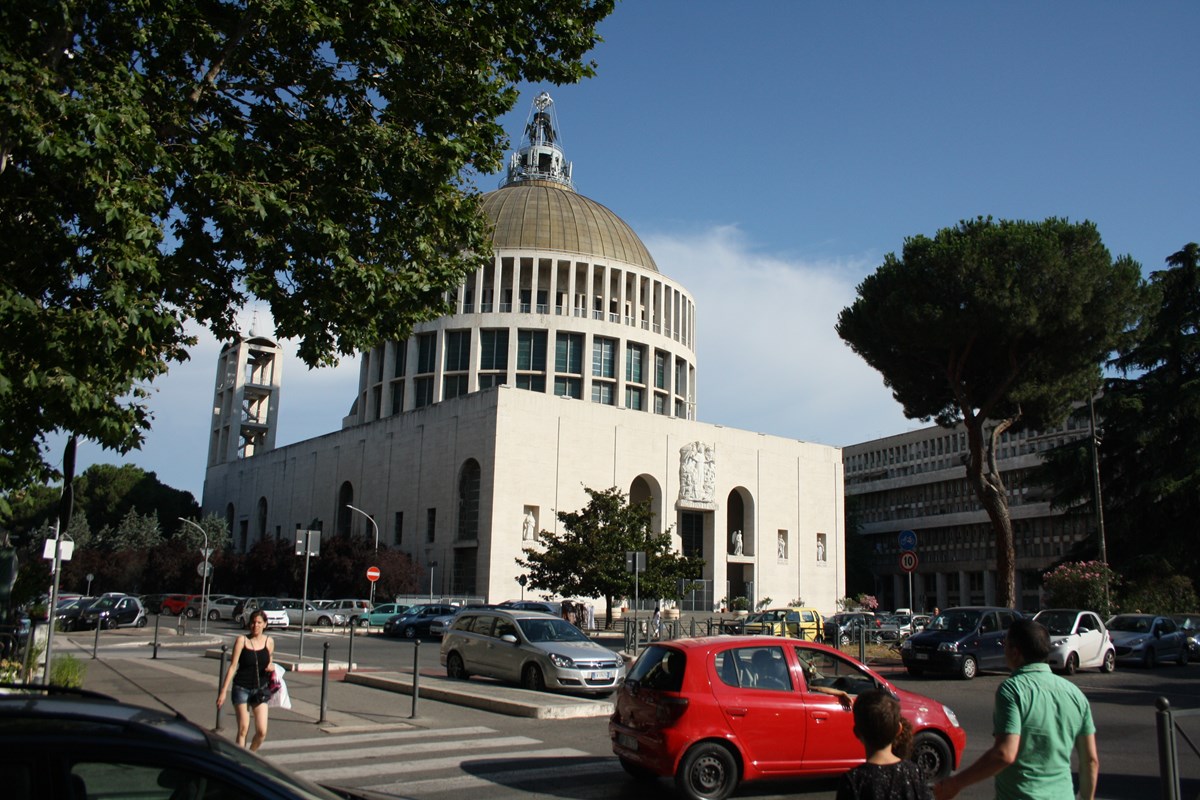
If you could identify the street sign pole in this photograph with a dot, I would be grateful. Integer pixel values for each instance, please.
(305, 542)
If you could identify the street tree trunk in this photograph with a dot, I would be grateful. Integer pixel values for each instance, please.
(984, 476)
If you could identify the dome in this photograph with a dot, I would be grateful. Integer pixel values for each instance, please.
(541, 215)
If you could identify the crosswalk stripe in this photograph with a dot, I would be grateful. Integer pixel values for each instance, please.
(471, 782)
(273, 745)
(405, 748)
(337, 774)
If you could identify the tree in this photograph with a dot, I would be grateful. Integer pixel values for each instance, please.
(1000, 326)
(588, 558)
(169, 161)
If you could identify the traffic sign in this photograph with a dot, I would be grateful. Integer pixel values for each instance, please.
(908, 561)
(908, 540)
(372, 574)
(204, 569)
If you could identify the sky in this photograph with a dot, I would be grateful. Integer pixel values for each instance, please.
(770, 154)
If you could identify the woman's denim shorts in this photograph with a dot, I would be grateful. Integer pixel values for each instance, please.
(241, 695)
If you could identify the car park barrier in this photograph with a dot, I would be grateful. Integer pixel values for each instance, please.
(96, 641)
(157, 618)
(324, 681)
(1168, 755)
(416, 683)
(350, 653)
(221, 682)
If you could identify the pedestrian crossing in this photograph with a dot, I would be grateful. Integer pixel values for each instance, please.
(447, 762)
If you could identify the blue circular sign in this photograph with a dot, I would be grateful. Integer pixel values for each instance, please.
(908, 540)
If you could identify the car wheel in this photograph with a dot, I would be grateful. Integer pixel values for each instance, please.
(1148, 658)
(1110, 662)
(916, 672)
(844, 640)
(362, 622)
(324, 621)
(636, 771)
(141, 622)
(192, 613)
(532, 679)
(969, 668)
(708, 772)
(455, 668)
(932, 756)
(1072, 665)
(877, 638)
(214, 614)
(410, 632)
(1183, 656)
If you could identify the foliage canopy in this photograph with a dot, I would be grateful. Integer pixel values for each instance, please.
(997, 325)
(169, 161)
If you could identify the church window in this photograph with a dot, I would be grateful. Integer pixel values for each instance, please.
(660, 369)
(635, 398)
(531, 350)
(634, 355)
(568, 387)
(493, 349)
(458, 351)
(453, 386)
(604, 357)
(468, 501)
(422, 392)
(426, 353)
(691, 529)
(602, 392)
(401, 356)
(568, 353)
(535, 383)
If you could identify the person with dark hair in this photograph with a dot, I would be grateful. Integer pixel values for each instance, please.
(249, 674)
(1038, 720)
(887, 740)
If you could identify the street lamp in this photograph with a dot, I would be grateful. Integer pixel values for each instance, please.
(374, 525)
(203, 575)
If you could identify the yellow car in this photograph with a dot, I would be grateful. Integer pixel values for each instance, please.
(796, 622)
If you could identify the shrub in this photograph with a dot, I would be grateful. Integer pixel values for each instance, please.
(1165, 594)
(68, 671)
(1081, 584)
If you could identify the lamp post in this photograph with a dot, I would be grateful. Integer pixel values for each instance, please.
(432, 569)
(203, 575)
(374, 525)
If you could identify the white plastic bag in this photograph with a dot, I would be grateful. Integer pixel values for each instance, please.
(280, 699)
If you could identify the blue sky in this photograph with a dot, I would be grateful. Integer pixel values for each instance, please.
(771, 153)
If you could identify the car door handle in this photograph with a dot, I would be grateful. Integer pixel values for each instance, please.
(737, 711)
(820, 716)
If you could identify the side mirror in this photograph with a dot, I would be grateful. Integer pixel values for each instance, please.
(508, 637)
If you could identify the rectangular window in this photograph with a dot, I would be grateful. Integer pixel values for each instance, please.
(634, 355)
(568, 353)
(681, 377)
(426, 353)
(531, 350)
(493, 349)
(602, 392)
(634, 398)
(458, 351)
(660, 369)
(488, 380)
(660, 403)
(604, 357)
(453, 386)
(568, 387)
(535, 383)
(422, 392)
(401, 362)
(430, 524)
(397, 396)
(398, 528)
(691, 529)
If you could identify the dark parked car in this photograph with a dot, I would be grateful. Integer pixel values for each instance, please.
(113, 612)
(960, 641)
(845, 628)
(1189, 624)
(70, 744)
(66, 614)
(415, 621)
(716, 711)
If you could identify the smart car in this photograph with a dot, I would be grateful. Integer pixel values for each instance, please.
(1078, 640)
(113, 612)
(717, 711)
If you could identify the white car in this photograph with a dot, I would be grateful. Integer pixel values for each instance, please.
(277, 617)
(1078, 640)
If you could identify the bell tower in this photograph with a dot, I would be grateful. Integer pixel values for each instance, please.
(245, 412)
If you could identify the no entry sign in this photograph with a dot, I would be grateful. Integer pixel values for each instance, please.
(372, 574)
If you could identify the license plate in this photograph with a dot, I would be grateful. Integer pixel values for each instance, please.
(921, 656)
(627, 741)
(602, 675)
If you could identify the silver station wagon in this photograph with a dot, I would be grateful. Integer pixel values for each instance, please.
(539, 651)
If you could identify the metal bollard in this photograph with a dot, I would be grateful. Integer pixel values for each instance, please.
(324, 680)
(157, 619)
(350, 652)
(221, 682)
(96, 641)
(1168, 765)
(416, 677)
(862, 644)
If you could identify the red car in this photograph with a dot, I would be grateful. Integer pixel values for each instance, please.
(176, 603)
(715, 711)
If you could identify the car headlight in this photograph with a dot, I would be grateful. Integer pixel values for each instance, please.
(948, 647)
(950, 715)
(906, 645)
(1058, 642)
(561, 661)
(1138, 642)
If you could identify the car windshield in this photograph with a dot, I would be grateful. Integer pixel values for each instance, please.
(551, 630)
(103, 604)
(1059, 623)
(270, 605)
(957, 620)
(1130, 624)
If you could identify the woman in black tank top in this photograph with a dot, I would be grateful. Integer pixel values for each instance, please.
(250, 670)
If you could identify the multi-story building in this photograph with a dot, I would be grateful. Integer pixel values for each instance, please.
(917, 482)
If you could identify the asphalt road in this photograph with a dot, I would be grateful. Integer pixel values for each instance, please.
(451, 752)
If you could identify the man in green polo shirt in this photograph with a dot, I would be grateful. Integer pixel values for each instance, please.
(1038, 719)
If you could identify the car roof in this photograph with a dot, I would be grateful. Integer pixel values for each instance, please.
(514, 613)
(703, 644)
(52, 706)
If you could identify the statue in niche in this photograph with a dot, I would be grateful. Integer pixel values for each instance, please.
(820, 548)
(529, 527)
(697, 472)
(736, 548)
(782, 546)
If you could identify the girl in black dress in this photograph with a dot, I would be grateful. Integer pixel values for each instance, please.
(250, 671)
(887, 739)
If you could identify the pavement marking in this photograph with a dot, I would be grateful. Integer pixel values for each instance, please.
(360, 770)
(471, 782)
(299, 744)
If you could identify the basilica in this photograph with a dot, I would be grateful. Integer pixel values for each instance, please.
(568, 360)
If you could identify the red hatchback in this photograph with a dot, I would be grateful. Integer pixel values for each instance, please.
(715, 711)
